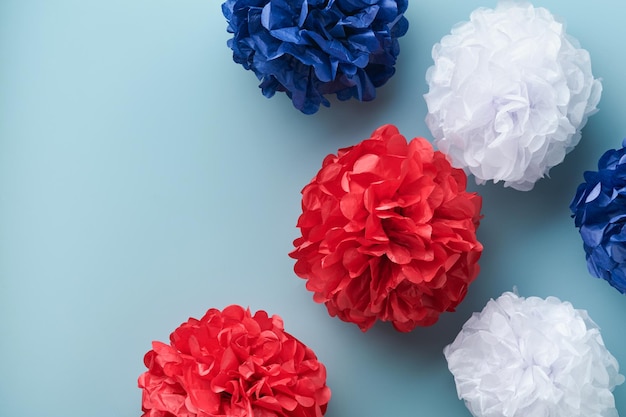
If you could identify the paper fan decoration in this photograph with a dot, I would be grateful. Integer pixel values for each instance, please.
(233, 363)
(388, 233)
(599, 211)
(509, 92)
(523, 357)
(313, 48)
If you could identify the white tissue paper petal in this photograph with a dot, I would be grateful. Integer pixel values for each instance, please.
(533, 357)
(509, 92)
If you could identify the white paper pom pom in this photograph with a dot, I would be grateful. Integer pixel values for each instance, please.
(508, 94)
(533, 357)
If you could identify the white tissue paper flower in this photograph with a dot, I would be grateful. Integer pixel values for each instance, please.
(509, 92)
(533, 358)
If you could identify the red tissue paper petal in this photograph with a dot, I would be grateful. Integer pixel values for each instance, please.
(388, 233)
(232, 363)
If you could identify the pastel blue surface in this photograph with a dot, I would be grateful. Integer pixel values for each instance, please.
(144, 179)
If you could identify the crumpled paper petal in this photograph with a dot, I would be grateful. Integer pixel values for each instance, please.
(527, 357)
(509, 92)
(388, 233)
(233, 363)
(599, 211)
(312, 48)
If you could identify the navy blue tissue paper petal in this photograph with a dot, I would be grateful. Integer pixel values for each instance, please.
(313, 48)
(599, 211)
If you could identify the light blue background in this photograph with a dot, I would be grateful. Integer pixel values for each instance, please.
(145, 179)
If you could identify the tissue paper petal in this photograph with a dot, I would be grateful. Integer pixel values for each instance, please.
(509, 92)
(313, 48)
(388, 233)
(599, 211)
(522, 357)
(233, 363)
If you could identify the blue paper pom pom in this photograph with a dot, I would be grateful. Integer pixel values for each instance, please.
(310, 48)
(599, 211)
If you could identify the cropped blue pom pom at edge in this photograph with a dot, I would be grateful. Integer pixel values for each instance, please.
(599, 211)
(313, 48)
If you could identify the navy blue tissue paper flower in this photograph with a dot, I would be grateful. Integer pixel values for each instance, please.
(311, 48)
(600, 213)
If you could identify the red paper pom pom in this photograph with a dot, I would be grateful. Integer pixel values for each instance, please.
(388, 233)
(233, 364)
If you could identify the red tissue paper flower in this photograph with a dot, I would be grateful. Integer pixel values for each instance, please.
(231, 363)
(388, 233)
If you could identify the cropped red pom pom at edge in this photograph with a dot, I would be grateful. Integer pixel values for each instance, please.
(388, 233)
(232, 363)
